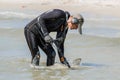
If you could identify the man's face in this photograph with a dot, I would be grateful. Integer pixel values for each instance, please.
(71, 25)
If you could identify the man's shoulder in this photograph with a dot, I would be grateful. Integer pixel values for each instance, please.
(54, 10)
(58, 10)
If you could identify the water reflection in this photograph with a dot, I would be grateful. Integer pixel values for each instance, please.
(49, 74)
(93, 64)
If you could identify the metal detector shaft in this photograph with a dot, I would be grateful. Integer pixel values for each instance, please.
(56, 48)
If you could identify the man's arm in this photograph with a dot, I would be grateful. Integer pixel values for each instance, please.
(41, 26)
(51, 14)
(61, 35)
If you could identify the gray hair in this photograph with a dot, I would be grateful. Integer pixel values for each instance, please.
(81, 21)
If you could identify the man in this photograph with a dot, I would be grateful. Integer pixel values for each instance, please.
(37, 34)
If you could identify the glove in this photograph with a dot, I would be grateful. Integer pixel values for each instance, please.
(48, 39)
(65, 62)
(61, 39)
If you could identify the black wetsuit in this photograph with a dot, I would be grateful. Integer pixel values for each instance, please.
(35, 32)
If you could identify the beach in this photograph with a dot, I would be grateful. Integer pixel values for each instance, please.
(99, 46)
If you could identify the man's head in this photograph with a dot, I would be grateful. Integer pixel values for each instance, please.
(75, 22)
(72, 22)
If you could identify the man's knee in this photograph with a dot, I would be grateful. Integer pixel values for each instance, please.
(51, 58)
(52, 54)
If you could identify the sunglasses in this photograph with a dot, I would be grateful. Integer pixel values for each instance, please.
(75, 21)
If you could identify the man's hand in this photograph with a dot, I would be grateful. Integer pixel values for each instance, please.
(64, 61)
(48, 39)
(61, 39)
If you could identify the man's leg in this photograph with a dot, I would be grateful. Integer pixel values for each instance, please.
(33, 46)
(50, 54)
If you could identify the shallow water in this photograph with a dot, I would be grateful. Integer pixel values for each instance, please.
(98, 47)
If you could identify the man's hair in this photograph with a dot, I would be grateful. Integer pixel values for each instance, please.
(79, 17)
(75, 20)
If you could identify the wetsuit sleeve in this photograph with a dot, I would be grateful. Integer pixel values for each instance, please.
(41, 25)
(52, 14)
(61, 34)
